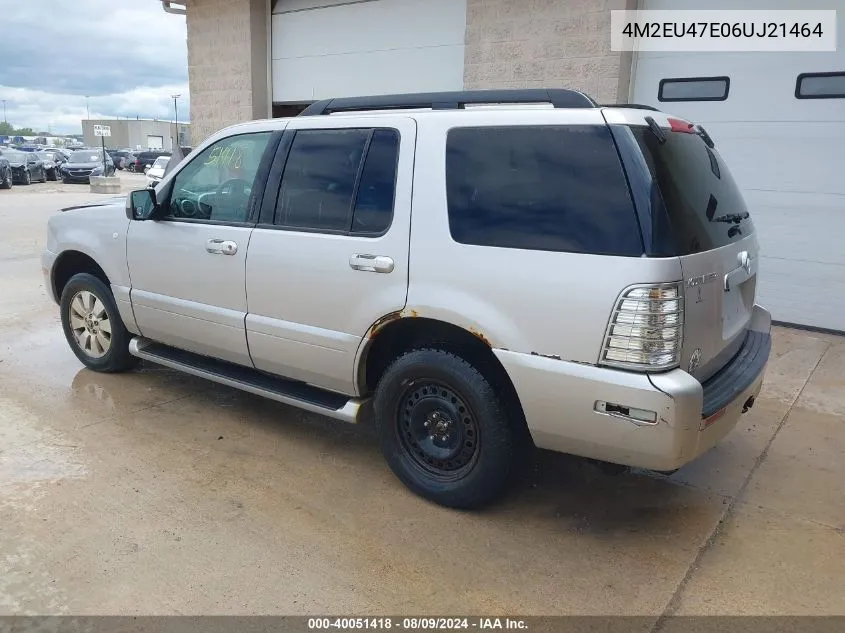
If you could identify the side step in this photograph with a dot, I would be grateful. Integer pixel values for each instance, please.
(294, 393)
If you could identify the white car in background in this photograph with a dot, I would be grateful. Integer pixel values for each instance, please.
(156, 172)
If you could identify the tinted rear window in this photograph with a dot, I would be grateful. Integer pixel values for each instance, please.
(552, 188)
(701, 199)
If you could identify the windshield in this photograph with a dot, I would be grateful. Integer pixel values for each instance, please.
(161, 162)
(44, 156)
(14, 156)
(703, 204)
(85, 157)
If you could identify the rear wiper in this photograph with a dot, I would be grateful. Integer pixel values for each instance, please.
(655, 129)
(733, 218)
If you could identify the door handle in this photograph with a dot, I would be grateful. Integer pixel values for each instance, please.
(371, 263)
(221, 247)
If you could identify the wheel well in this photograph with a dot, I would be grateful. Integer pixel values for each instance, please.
(405, 334)
(71, 263)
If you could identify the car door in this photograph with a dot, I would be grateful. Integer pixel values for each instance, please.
(187, 269)
(330, 254)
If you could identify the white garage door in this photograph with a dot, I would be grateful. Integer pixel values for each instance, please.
(787, 154)
(337, 48)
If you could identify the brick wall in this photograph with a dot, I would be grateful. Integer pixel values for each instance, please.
(546, 44)
(227, 63)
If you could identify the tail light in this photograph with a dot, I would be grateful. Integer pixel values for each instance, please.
(645, 332)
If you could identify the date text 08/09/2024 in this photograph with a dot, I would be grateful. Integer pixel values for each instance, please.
(417, 624)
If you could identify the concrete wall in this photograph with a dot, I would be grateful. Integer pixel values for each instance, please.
(546, 44)
(132, 132)
(228, 56)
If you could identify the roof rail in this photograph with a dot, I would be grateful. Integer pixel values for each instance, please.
(636, 106)
(558, 97)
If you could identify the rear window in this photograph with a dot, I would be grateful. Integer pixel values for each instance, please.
(703, 204)
(550, 188)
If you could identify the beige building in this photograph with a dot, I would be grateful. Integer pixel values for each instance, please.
(778, 118)
(252, 59)
(136, 133)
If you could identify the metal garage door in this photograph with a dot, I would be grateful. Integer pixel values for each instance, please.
(786, 153)
(333, 48)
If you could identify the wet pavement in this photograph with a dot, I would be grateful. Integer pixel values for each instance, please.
(156, 492)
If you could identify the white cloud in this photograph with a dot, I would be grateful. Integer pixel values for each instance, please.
(129, 56)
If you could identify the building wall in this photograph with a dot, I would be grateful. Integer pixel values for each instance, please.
(228, 57)
(546, 44)
(132, 132)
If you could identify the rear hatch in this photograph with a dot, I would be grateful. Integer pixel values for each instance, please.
(698, 208)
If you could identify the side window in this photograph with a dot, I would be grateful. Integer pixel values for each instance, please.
(377, 188)
(319, 179)
(820, 86)
(694, 89)
(549, 188)
(218, 182)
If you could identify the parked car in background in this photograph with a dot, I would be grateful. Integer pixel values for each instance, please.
(26, 167)
(51, 165)
(145, 159)
(59, 156)
(121, 158)
(156, 172)
(5, 174)
(85, 163)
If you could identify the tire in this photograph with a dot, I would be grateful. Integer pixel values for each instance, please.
(28, 178)
(43, 175)
(430, 391)
(55, 177)
(88, 322)
(7, 180)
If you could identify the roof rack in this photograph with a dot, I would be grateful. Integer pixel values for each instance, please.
(558, 97)
(635, 106)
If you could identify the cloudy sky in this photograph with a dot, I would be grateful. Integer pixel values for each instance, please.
(128, 56)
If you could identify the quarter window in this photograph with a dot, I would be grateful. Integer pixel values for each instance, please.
(552, 188)
(820, 86)
(377, 189)
(217, 184)
(694, 89)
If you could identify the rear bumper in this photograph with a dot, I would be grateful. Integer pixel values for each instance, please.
(559, 399)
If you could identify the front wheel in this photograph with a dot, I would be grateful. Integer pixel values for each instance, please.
(7, 179)
(444, 430)
(27, 180)
(43, 176)
(93, 327)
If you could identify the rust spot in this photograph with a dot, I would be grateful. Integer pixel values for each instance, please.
(410, 313)
(481, 336)
(552, 356)
(378, 326)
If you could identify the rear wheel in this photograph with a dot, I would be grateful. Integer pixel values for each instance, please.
(92, 325)
(444, 430)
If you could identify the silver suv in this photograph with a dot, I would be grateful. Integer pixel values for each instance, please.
(486, 270)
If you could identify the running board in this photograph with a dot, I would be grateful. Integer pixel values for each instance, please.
(294, 393)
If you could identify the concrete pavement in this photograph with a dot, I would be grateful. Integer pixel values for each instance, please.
(156, 492)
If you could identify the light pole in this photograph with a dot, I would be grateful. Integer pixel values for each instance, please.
(4, 112)
(176, 113)
(87, 111)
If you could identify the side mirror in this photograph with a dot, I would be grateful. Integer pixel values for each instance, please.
(142, 205)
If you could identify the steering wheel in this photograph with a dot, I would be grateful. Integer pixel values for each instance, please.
(235, 198)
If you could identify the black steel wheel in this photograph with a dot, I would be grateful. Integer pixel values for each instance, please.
(444, 430)
(437, 429)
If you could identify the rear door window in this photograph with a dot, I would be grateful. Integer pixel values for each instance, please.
(551, 188)
(702, 202)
